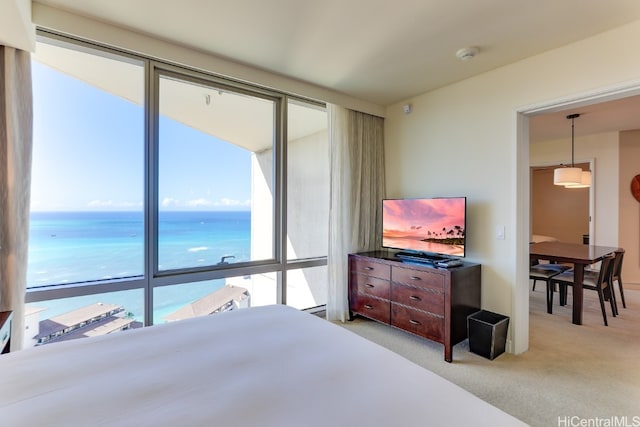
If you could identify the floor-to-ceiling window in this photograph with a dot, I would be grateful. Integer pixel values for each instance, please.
(86, 238)
(160, 193)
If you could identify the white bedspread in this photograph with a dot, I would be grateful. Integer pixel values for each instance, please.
(264, 366)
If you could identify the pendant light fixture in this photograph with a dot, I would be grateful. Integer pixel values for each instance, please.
(569, 176)
(585, 181)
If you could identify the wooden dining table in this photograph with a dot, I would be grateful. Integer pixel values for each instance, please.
(579, 255)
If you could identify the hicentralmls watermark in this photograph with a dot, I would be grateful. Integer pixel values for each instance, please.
(614, 421)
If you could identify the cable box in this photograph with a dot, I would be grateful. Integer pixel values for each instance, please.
(448, 263)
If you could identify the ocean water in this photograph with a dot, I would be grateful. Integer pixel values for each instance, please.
(71, 247)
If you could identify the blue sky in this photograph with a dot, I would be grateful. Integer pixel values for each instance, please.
(89, 154)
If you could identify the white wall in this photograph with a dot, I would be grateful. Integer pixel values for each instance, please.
(468, 139)
(308, 217)
(307, 214)
(308, 196)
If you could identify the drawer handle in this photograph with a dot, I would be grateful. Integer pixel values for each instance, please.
(368, 307)
(414, 322)
(415, 298)
(369, 268)
(414, 278)
(369, 285)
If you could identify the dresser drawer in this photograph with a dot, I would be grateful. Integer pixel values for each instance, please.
(375, 269)
(372, 285)
(418, 278)
(373, 308)
(425, 299)
(418, 322)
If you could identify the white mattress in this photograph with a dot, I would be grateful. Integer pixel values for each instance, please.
(264, 366)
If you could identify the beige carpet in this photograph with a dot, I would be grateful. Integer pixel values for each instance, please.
(570, 375)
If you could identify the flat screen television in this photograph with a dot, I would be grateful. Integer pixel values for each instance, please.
(433, 227)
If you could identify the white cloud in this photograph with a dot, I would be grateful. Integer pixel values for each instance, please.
(232, 202)
(111, 204)
(204, 203)
(168, 201)
(199, 203)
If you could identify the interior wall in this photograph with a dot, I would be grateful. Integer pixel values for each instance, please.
(558, 212)
(469, 139)
(629, 216)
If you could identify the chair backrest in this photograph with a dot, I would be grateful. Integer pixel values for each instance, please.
(606, 271)
(617, 264)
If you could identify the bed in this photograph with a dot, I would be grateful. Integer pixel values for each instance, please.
(261, 366)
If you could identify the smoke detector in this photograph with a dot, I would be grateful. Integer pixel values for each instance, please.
(467, 53)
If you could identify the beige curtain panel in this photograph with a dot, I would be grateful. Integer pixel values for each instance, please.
(16, 136)
(356, 142)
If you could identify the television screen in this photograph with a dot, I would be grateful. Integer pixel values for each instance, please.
(429, 226)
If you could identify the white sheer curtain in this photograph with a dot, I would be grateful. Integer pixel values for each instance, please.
(16, 134)
(357, 187)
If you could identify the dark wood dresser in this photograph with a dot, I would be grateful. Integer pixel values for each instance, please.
(427, 301)
(5, 331)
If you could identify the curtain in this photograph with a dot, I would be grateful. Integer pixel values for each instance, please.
(357, 187)
(16, 119)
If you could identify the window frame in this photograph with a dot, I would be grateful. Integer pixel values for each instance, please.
(153, 70)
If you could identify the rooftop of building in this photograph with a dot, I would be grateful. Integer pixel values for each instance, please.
(76, 317)
(209, 303)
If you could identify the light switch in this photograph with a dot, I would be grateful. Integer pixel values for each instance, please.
(500, 232)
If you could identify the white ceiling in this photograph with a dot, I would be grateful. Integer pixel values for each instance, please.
(379, 51)
(16, 28)
(619, 115)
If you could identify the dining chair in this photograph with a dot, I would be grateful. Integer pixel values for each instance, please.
(545, 272)
(601, 283)
(616, 276)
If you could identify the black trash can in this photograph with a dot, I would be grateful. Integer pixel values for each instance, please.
(487, 333)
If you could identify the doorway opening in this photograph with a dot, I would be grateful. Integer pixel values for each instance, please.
(520, 312)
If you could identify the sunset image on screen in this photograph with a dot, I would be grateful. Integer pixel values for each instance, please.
(428, 225)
